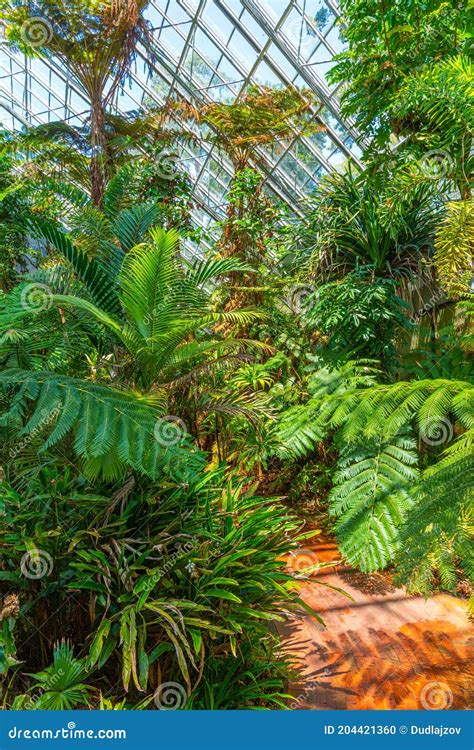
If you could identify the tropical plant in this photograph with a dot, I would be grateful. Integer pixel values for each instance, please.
(454, 248)
(182, 593)
(157, 310)
(260, 120)
(434, 112)
(352, 222)
(55, 161)
(261, 117)
(15, 209)
(386, 44)
(383, 506)
(97, 44)
(59, 687)
(358, 316)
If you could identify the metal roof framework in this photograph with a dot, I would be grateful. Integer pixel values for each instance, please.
(212, 50)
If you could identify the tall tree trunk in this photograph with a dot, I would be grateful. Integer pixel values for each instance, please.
(98, 167)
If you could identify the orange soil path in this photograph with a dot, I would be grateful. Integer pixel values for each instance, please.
(390, 651)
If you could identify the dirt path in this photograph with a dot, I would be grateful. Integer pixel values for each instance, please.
(381, 650)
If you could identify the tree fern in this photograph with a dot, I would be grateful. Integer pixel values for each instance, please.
(371, 497)
(438, 529)
(304, 425)
(429, 403)
(381, 504)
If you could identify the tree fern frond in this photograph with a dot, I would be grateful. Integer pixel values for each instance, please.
(370, 499)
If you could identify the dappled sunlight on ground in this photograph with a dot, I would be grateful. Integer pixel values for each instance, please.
(378, 651)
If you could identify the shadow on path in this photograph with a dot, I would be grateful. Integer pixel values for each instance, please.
(379, 651)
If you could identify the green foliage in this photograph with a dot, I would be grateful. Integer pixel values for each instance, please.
(387, 42)
(454, 247)
(159, 311)
(149, 400)
(353, 222)
(384, 509)
(438, 532)
(435, 108)
(301, 427)
(61, 686)
(180, 583)
(113, 429)
(371, 498)
(358, 317)
(14, 210)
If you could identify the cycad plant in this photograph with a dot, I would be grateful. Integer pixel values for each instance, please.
(157, 317)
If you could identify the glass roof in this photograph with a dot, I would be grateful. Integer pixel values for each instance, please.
(212, 50)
